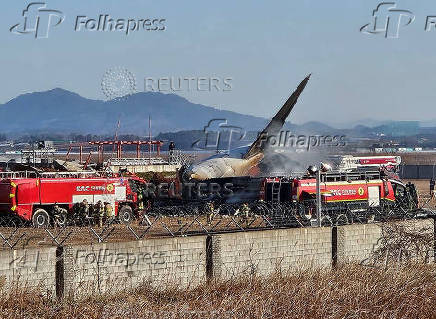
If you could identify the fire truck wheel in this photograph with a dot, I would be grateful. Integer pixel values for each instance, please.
(40, 218)
(125, 215)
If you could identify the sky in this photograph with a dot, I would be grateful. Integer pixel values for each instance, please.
(264, 47)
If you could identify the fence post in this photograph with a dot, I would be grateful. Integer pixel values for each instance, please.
(318, 197)
(59, 272)
(334, 246)
(209, 258)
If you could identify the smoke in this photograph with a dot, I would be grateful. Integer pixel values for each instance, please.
(291, 153)
(291, 162)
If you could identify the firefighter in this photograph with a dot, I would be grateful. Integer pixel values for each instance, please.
(432, 184)
(99, 213)
(85, 212)
(140, 201)
(60, 215)
(109, 212)
(245, 210)
(84, 208)
(171, 149)
(209, 210)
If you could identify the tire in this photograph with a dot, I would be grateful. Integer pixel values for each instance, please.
(125, 215)
(40, 218)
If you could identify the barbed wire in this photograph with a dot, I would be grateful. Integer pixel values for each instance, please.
(196, 219)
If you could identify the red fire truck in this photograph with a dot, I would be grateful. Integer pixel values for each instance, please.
(37, 199)
(338, 189)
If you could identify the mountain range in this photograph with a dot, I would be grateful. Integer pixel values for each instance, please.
(60, 111)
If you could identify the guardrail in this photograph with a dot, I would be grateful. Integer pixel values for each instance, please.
(137, 161)
(34, 174)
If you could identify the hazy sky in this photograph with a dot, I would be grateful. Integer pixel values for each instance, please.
(266, 47)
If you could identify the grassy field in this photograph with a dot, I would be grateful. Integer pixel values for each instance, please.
(350, 291)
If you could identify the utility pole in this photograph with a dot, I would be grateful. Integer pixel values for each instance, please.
(149, 139)
(116, 137)
(318, 197)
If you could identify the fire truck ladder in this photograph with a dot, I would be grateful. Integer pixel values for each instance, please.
(19, 174)
(80, 174)
(35, 174)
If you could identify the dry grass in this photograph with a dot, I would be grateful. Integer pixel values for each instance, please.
(350, 291)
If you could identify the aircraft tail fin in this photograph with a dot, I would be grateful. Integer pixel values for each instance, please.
(277, 122)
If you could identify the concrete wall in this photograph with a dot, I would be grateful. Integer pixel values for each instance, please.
(357, 242)
(263, 252)
(114, 266)
(187, 261)
(29, 268)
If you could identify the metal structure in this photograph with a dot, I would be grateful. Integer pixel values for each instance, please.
(136, 161)
(151, 146)
(81, 147)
